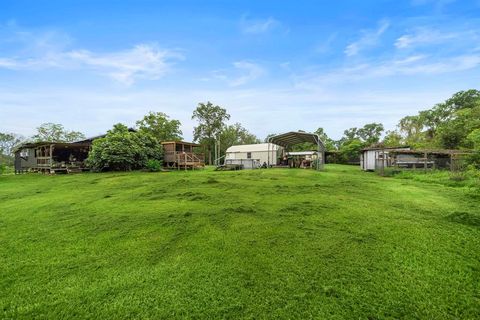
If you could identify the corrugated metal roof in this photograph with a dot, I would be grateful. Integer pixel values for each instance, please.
(182, 142)
(444, 151)
(253, 147)
(293, 138)
(386, 148)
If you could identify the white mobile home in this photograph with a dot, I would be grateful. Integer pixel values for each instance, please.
(253, 155)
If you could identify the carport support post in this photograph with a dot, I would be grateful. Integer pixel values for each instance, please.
(268, 153)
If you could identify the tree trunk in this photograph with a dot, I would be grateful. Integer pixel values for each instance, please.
(209, 150)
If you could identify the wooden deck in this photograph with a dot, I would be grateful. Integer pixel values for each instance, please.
(182, 155)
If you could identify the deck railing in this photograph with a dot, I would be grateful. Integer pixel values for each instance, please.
(189, 157)
(183, 157)
(44, 162)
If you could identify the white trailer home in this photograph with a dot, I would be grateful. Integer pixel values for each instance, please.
(253, 155)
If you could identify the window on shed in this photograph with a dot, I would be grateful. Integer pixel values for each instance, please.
(249, 155)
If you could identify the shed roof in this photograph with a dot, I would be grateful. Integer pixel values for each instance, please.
(386, 148)
(182, 142)
(259, 147)
(443, 151)
(293, 138)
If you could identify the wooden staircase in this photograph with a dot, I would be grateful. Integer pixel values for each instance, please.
(189, 161)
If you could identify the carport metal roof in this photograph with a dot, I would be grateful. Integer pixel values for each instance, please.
(293, 138)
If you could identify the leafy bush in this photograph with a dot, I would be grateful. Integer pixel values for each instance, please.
(3, 168)
(349, 152)
(154, 165)
(124, 150)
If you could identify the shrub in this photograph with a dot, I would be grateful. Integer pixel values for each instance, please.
(3, 168)
(154, 165)
(123, 150)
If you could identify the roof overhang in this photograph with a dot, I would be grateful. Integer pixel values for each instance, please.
(386, 148)
(182, 142)
(66, 145)
(444, 152)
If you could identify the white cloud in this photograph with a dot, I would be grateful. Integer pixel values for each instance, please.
(250, 71)
(8, 63)
(368, 39)
(141, 62)
(258, 26)
(425, 36)
(415, 65)
(49, 49)
(242, 73)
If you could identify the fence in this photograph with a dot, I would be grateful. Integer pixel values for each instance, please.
(453, 160)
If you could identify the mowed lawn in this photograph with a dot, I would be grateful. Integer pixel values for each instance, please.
(274, 243)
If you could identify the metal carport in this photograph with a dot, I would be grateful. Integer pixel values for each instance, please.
(292, 138)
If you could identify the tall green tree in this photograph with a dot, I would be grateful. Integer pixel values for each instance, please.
(370, 133)
(8, 141)
(235, 134)
(445, 125)
(474, 140)
(453, 134)
(392, 139)
(329, 143)
(349, 151)
(355, 139)
(160, 126)
(54, 132)
(411, 129)
(267, 138)
(211, 120)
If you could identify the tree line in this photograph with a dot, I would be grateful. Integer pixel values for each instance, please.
(452, 124)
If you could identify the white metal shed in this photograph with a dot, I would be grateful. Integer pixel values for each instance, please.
(253, 155)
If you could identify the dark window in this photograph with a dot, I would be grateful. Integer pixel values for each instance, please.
(249, 155)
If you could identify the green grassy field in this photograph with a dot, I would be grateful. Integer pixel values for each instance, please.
(276, 243)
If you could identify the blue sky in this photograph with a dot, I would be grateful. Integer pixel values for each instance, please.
(275, 65)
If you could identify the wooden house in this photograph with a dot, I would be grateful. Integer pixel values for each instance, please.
(51, 157)
(182, 155)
